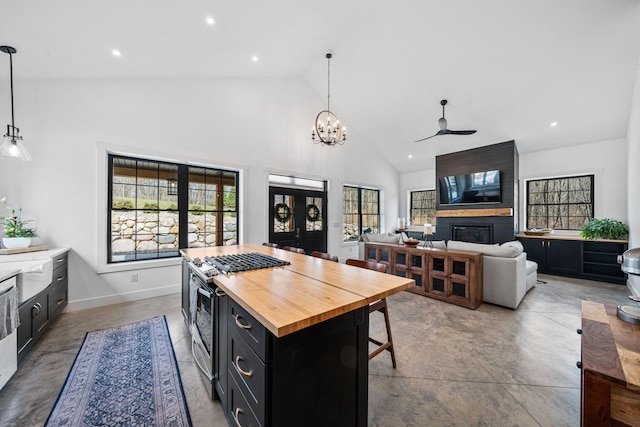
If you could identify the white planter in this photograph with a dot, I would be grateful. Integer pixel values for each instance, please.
(16, 242)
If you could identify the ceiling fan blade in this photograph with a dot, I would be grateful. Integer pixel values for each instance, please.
(429, 137)
(462, 132)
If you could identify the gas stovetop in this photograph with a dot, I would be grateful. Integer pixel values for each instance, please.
(235, 263)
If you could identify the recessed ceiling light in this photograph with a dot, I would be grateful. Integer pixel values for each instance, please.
(116, 53)
(411, 156)
(210, 20)
(553, 124)
(254, 58)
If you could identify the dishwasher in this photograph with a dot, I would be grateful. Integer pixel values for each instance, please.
(9, 320)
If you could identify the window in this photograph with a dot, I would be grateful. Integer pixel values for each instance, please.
(156, 208)
(361, 212)
(422, 207)
(560, 203)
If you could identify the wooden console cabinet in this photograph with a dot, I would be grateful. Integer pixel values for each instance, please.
(451, 276)
(610, 368)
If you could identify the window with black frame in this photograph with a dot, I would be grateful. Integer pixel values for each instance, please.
(156, 208)
(564, 203)
(361, 212)
(422, 207)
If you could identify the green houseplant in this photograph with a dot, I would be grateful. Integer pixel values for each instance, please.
(604, 229)
(16, 233)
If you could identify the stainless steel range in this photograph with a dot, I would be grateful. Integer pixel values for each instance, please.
(206, 304)
(234, 263)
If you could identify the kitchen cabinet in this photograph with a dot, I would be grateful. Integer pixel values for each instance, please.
(186, 314)
(585, 259)
(220, 364)
(561, 257)
(34, 321)
(279, 381)
(58, 294)
(44, 308)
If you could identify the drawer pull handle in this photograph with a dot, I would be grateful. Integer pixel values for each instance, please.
(60, 301)
(242, 371)
(60, 279)
(235, 416)
(240, 324)
(220, 293)
(60, 260)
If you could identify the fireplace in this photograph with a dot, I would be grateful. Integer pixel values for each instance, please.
(472, 233)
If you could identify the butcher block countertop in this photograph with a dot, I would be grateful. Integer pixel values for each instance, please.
(308, 291)
(612, 347)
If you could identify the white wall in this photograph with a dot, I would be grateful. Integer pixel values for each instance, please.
(256, 125)
(603, 159)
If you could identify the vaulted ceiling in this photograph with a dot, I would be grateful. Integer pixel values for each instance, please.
(509, 68)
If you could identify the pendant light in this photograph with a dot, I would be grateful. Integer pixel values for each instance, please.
(328, 128)
(12, 145)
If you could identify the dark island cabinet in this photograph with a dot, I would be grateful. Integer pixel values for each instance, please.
(41, 310)
(313, 377)
(585, 259)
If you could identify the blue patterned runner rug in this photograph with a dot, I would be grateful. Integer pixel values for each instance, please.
(124, 376)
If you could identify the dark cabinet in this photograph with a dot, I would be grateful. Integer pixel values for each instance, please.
(39, 312)
(280, 381)
(58, 294)
(34, 321)
(185, 293)
(600, 261)
(586, 259)
(220, 364)
(554, 256)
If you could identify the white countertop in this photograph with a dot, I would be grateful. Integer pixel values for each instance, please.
(30, 256)
(7, 272)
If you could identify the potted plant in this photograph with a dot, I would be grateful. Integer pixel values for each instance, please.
(604, 229)
(16, 234)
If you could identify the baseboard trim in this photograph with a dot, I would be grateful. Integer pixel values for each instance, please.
(83, 304)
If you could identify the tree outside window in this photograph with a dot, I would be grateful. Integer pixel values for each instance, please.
(361, 212)
(422, 208)
(560, 203)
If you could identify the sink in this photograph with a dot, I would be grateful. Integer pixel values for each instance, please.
(35, 275)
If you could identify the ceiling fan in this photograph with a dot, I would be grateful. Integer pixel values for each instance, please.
(442, 122)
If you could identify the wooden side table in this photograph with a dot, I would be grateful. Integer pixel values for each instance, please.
(610, 368)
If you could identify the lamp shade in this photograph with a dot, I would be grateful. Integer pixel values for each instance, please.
(13, 147)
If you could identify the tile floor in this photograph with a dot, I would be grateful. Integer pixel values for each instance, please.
(456, 367)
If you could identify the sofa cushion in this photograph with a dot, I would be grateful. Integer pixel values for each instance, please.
(516, 245)
(504, 251)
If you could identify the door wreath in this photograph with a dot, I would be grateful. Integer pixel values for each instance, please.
(282, 212)
(313, 213)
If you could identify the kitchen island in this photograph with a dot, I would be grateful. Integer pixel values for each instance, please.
(290, 343)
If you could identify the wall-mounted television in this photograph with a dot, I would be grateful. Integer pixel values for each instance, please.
(477, 187)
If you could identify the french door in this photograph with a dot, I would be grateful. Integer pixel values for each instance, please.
(298, 217)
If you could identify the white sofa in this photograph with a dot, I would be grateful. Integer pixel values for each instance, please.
(507, 275)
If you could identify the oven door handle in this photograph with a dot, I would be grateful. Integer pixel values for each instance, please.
(204, 292)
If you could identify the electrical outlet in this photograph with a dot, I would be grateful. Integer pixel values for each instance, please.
(134, 277)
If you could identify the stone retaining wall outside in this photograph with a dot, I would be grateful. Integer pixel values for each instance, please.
(149, 232)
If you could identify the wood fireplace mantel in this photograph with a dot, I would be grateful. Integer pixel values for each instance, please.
(474, 212)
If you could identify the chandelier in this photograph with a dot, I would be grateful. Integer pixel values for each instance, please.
(327, 129)
(12, 145)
